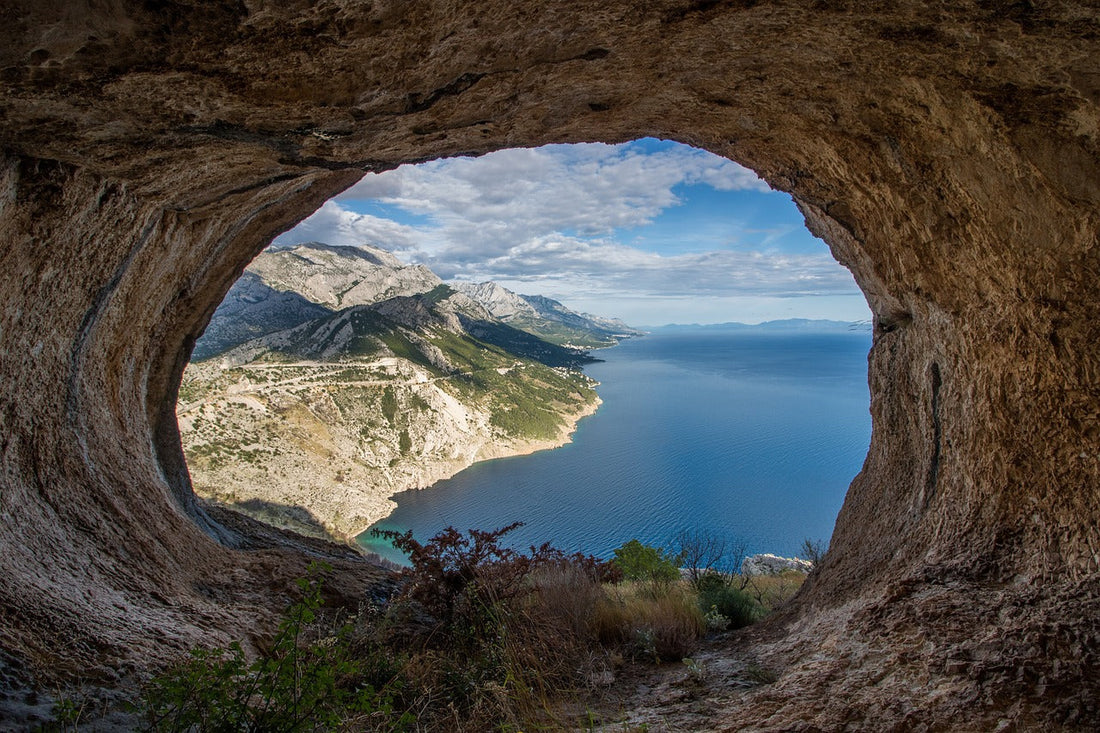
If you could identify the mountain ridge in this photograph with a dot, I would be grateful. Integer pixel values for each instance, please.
(276, 288)
(547, 318)
(334, 405)
(338, 276)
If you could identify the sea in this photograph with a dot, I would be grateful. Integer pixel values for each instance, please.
(750, 434)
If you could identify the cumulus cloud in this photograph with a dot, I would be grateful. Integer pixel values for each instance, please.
(589, 267)
(488, 204)
(554, 217)
(334, 224)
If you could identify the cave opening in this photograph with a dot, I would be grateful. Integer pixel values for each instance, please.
(949, 157)
(322, 384)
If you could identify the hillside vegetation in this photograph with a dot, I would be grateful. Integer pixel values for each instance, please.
(311, 418)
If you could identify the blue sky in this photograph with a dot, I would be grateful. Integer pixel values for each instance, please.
(652, 231)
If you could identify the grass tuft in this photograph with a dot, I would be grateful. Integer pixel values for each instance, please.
(657, 621)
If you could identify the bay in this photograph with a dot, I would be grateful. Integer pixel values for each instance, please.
(751, 434)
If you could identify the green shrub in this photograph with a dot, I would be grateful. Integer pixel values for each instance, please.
(642, 562)
(303, 681)
(389, 405)
(717, 597)
(525, 419)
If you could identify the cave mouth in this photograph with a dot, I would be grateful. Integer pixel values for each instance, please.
(662, 231)
(949, 158)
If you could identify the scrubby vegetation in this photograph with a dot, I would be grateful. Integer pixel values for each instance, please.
(257, 427)
(651, 621)
(726, 603)
(308, 678)
(479, 636)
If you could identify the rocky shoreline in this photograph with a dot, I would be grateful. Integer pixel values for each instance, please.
(491, 452)
(300, 466)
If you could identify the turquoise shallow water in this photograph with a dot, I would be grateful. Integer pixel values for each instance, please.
(754, 435)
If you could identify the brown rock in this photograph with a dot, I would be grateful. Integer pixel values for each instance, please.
(947, 153)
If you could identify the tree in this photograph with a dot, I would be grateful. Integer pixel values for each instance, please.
(642, 562)
(814, 551)
(703, 552)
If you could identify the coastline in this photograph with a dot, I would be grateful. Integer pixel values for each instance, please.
(327, 494)
(491, 452)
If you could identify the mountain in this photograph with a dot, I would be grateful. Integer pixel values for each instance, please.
(547, 318)
(499, 301)
(252, 308)
(333, 377)
(368, 330)
(286, 287)
(339, 277)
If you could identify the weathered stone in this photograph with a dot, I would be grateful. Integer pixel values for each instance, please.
(947, 153)
(768, 564)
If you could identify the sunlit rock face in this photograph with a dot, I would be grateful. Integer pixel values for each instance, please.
(948, 156)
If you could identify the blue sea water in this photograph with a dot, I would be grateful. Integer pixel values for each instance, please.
(752, 434)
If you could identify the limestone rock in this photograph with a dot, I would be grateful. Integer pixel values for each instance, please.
(499, 301)
(948, 154)
(339, 277)
(252, 309)
(546, 317)
(768, 564)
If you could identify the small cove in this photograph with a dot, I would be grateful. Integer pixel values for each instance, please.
(753, 434)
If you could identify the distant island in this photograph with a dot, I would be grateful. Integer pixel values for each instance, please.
(332, 377)
(786, 324)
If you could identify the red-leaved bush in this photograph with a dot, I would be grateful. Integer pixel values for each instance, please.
(453, 572)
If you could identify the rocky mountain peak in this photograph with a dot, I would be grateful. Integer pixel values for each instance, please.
(340, 276)
(330, 253)
(289, 286)
(545, 317)
(498, 300)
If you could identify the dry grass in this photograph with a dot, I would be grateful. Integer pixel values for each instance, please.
(550, 648)
(660, 621)
(772, 591)
(510, 637)
(558, 636)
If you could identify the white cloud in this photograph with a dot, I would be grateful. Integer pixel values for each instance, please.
(601, 266)
(548, 217)
(334, 224)
(486, 205)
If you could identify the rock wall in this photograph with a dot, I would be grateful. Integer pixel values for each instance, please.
(948, 154)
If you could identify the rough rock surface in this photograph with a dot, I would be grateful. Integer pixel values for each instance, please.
(340, 277)
(768, 564)
(947, 153)
(318, 440)
(547, 317)
(252, 309)
(501, 302)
